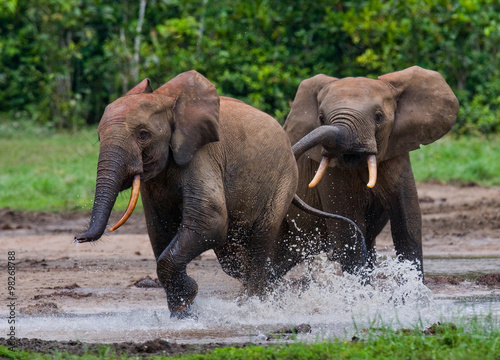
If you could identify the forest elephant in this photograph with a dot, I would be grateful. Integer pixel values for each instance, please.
(213, 173)
(356, 134)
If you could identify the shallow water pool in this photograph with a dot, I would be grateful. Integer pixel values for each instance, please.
(334, 306)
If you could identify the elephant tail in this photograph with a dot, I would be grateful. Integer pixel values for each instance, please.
(299, 203)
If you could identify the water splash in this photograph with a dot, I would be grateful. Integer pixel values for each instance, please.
(333, 305)
(322, 298)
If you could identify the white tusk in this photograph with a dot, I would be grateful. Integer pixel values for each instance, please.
(372, 171)
(131, 204)
(321, 171)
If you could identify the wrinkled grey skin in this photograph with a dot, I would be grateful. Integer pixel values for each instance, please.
(215, 173)
(346, 120)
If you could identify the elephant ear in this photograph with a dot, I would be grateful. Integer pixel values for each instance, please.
(304, 115)
(426, 109)
(143, 87)
(195, 114)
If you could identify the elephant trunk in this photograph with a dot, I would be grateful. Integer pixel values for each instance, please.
(326, 135)
(335, 140)
(110, 178)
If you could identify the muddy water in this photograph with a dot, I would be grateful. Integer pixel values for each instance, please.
(468, 299)
(333, 305)
(461, 267)
(87, 292)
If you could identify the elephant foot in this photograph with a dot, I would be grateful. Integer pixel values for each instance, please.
(180, 294)
(186, 314)
(262, 290)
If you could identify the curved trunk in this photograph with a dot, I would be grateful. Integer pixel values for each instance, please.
(335, 139)
(109, 181)
(326, 135)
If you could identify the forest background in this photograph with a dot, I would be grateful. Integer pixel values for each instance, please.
(63, 61)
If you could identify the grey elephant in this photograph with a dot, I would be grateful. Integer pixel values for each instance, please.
(213, 173)
(356, 134)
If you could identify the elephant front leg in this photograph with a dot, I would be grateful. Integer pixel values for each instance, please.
(350, 247)
(376, 219)
(171, 269)
(406, 228)
(406, 224)
(354, 257)
(181, 291)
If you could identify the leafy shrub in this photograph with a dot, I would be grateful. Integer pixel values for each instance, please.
(62, 62)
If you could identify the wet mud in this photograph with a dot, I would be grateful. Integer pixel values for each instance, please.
(56, 278)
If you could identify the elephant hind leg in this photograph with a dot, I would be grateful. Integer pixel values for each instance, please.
(233, 259)
(264, 258)
(259, 277)
(262, 252)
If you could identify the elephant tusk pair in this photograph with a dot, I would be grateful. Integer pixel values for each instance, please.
(136, 185)
(372, 171)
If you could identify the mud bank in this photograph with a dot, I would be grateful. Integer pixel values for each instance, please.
(57, 280)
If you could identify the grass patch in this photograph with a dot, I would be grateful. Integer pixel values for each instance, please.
(477, 339)
(46, 170)
(459, 160)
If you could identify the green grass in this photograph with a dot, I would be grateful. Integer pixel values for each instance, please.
(51, 171)
(42, 169)
(448, 341)
(459, 160)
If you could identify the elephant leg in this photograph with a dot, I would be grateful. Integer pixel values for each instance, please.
(232, 259)
(406, 222)
(376, 219)
(353, 256)
(351, 250)
(263, 269)
(258, 276)
(349, 246)
(171, 269)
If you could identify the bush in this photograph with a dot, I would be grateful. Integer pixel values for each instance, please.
(62, 62)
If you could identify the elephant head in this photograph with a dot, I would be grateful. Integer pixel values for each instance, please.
(140, 130)
(365, 121)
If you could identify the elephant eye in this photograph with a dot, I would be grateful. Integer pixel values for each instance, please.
(321, 118)
(144, 135)
(378, 117)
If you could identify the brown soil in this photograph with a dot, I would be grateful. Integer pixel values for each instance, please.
(53, 275)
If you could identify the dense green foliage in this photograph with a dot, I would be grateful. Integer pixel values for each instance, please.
(62, 61)
(447, 342)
